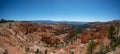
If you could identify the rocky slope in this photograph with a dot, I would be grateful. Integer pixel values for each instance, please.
(59, 38)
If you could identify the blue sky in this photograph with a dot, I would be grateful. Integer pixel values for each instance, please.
(60, 10)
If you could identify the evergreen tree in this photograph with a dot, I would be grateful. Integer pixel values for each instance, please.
(91, 46)
(111, 33)
(46, 51)
(37, 51)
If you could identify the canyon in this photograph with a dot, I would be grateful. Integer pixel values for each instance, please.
(58, 38)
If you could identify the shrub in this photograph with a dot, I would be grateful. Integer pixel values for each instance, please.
(91, 46)
(101, 48)
(27, 49)
(71, 52)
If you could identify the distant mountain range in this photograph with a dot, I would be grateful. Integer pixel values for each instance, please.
(53, 22)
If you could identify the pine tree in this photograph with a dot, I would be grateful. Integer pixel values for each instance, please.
(37, 51)
(111, 33)
(46, 51)
(91, 46)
